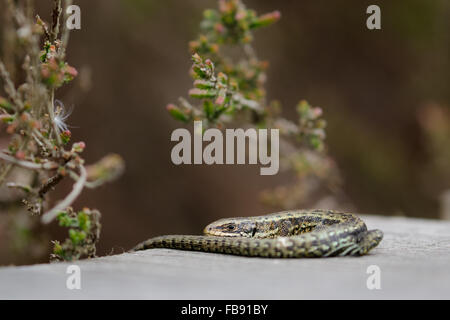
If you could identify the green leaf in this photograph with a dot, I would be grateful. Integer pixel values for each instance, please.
(177, 113)
(66, 221)
(77, 236)
(84, 222)
(209, 109)
(204, 84)
(5, 104)
(202, 93)
(265, 20)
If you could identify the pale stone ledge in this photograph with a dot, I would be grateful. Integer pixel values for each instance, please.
(414, 259)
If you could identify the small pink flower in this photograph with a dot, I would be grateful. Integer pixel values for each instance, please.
(71, 71)
(318, 112)
(240, 15)
(219, 28)
(20, 155)
(170, 107)
(220, 100)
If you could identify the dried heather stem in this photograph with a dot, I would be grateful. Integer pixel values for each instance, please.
(70, 198)
(65, 34)
(9, 86)
(39, 138)
(55, 16)
(28, 165)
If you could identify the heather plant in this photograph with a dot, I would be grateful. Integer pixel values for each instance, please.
(229, 87)
(35, 124)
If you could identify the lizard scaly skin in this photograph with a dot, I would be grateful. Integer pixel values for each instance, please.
(288, 234)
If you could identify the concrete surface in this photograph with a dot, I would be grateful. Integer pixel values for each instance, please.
(414, 260)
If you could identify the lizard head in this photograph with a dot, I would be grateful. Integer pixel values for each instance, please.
(234, 227)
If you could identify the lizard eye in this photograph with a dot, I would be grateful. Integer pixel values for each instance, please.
(231, 227)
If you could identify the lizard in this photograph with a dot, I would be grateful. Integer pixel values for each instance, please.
(287, 234)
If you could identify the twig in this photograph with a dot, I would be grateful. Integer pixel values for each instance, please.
(29, 9)
(17, 14)
(6, 170)
(37, 134)
(88, 184)
(65, 34)
(10, 166)
(55, 16)
(20, 186)
(27, 164)
(49, 184)
(44, 26)
(67, 202)
(9, 86)
(41, 145)
(9, 42)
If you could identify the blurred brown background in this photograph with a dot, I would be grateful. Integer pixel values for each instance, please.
(374, 87)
